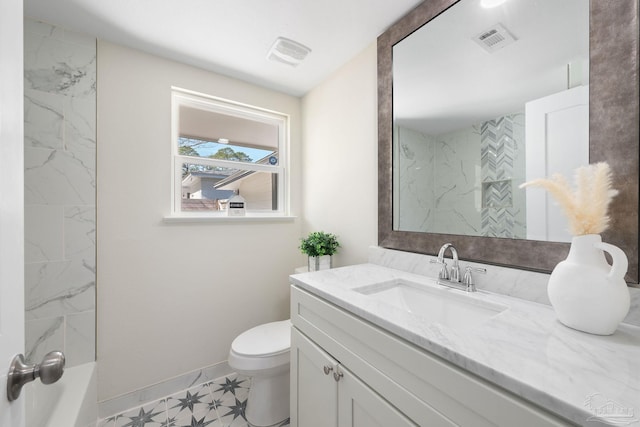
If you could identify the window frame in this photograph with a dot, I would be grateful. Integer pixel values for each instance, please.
(183, 97)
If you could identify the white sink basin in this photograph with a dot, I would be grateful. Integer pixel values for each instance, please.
(448, 307)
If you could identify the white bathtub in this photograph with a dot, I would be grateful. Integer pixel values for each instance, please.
(70, 402)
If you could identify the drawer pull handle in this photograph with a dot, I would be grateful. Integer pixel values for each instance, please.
(337, 375)
(327, 369)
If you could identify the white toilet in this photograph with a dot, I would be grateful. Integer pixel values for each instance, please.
(263, 354)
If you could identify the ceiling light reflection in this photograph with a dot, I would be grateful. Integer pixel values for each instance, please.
(487, 4)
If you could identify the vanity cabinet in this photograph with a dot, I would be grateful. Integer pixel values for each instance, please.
(385, 380)
(327, 394)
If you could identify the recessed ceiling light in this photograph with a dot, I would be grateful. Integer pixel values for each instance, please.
(491, 3)
(288, 52)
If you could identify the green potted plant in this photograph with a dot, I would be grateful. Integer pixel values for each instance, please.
(319, 247)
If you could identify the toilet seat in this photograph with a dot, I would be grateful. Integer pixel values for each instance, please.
(264, 340)
(263, 347)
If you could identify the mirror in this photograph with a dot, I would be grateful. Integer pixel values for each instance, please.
(510, 106)
(612, 134)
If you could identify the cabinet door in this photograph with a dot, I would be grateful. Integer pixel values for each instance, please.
(360, 406)
(314, 392)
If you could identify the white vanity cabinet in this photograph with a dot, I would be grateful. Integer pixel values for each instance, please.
(385, 381)
(328, 395)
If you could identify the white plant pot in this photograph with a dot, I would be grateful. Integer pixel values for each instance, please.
(317, 263)
(586, 292)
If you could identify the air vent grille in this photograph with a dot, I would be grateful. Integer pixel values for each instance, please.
(288, 52)
(494, 38)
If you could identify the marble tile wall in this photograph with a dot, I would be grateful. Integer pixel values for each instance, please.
(457, 183)
(415, 173)
(503, 170)
(60, 185)
(463, 182)
(438, 182)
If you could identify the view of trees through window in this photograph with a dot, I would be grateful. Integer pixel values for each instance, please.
(216, 150)
(221, 149)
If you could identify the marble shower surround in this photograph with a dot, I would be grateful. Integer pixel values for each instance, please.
(413, 194)
(438, 188)
(60, 185)
(502, 148)
(457, 184)
(462, 182)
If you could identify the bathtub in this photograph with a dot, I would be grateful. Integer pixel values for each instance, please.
(70, 402)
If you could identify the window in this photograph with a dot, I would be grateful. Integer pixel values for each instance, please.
(222, 148)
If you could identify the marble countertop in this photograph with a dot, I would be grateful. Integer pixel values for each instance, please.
(523, 349)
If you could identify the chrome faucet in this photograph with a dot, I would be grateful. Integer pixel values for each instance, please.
(451, 277)
(445, 274)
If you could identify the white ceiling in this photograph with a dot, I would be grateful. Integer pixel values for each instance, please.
(436, 91)
(232, 37)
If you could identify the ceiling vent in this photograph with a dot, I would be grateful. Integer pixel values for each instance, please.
(288, 52)
(494, 38)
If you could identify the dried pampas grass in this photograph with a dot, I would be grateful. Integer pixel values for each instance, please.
(587, 207)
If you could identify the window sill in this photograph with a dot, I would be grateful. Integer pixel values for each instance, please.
(227, 219)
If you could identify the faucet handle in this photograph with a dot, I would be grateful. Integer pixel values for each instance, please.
(444, 271)
(468, 278)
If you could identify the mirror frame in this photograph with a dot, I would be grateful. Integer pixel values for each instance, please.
(613, 137)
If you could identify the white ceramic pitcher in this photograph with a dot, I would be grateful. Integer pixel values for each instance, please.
(586, 292)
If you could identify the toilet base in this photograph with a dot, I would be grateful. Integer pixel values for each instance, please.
(268, 400)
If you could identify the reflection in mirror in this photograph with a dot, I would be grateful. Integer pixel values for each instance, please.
(510, 105)
(614, 108)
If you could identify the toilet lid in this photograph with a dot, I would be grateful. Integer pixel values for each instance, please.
(264, 340)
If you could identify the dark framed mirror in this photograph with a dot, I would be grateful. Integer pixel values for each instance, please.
(613, 137)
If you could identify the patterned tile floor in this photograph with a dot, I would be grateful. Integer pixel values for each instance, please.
(220, 403)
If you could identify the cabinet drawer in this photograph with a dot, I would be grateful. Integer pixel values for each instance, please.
(413, 380)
